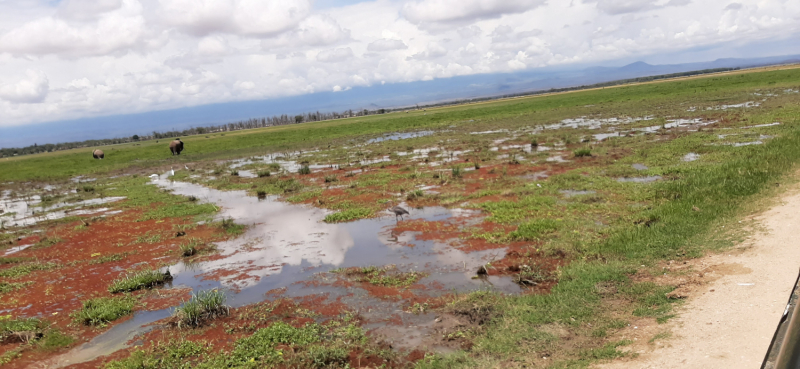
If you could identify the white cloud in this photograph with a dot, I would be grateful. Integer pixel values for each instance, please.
(335, 55)
(386, 44)
(433, 51)
(321, 30)
(81, 58)
(212, 45)
(86, 9)
(434, 11)
(111, 33)
(30, 90)
(615, 7)
(243, 17)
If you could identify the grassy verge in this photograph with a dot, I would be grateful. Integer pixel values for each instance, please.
(675, 227)
(312, 345)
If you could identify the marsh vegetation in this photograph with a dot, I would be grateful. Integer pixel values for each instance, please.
(578, 200)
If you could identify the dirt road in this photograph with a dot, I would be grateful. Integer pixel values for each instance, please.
(729, 322)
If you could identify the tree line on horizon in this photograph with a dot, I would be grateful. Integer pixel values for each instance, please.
(284, 119)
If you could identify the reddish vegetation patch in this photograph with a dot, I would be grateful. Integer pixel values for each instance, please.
(162, 299)
(525, 259)
(58, 292)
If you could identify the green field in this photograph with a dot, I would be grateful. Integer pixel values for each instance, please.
(704, 150)
(659, 99)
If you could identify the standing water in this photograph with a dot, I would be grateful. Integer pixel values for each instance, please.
(285, 244)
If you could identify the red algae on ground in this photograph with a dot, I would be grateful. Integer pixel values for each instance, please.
(85, 260)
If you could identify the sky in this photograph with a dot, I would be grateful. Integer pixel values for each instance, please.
(74, 59)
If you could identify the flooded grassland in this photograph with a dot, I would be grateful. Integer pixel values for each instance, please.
(534, 233)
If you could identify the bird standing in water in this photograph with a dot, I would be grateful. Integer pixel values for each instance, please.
(398, 212)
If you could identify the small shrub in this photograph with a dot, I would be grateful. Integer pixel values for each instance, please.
(289, 185)
(189, 248)
(204, 306)
(582, 152)
(100, 311)
(321, 356)
(534, 142)
(477, 165)
(87, 188)
(147, 278)
(230, 226)
(54, 340)
(235, 173)
(416, 194)
(457, 172)
(329, 179)
(304, 170)
(263, 173)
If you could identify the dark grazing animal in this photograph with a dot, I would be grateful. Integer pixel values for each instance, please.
(176, 146)
(98, 154)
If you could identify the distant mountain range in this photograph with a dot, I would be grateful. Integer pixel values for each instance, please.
(374, 97)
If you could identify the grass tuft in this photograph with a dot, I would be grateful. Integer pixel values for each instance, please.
(304, 170)
(147, 278)
(579, 153)
(348, 215)
(204, 306)
(25, 269)
(101, 311)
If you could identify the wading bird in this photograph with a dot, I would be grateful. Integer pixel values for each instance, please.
(398, 212)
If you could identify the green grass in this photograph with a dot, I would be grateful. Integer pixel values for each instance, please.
(579, 153)
(103, 310)
(160, 204)
(237, 144)
(535, 229)
(15, 260)
(47, 242)
(230, 227)
(27, 268)
(204, 306)
(381, 276)
(9, 326)
(167, 355)
(607, 235)
(108, 258)
(6, 287)
(348, 215)
(189, 248)
(54, 340)
(147, 278)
